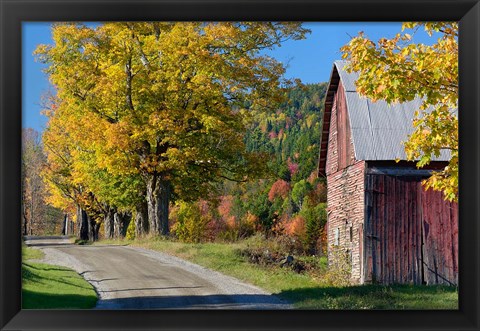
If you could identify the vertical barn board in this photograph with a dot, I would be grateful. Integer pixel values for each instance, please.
(382, 229)
(399, 216)
(378, 213)
(412, 217)
(428, 261)
(403, 243)
(444, 230)
(344, 148)
(366, 239)
(408, 226)
(454, 239)
(387, 238)
(390, 196)
(394, 234)
(406, 241)
(418, 238)
(372, 233)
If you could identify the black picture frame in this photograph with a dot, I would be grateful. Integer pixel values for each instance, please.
(14, 12)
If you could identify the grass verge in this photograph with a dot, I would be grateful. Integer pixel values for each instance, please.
(29, 253)
(46, 286)
(304, 290)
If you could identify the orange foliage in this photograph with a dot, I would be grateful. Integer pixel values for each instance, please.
(295, 227)
(279, 189)
(225, 208)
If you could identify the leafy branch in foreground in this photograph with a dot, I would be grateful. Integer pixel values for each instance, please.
(399, 70)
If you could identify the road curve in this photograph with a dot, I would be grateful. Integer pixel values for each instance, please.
(134, 278)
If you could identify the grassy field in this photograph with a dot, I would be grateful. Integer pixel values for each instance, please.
(305, 290)
(48, 286)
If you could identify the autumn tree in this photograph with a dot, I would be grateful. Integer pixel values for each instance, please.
(399, 70)
(62, 192)
(33, 189)
(75, 184)
(166, 102)
(280, 188)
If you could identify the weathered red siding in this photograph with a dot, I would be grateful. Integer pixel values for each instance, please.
(340, 152)
(410, 233)
(345, 153)
(440, 239)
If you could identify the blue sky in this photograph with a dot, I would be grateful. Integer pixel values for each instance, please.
(310, 59)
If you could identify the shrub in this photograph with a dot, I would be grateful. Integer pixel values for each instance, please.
(306, 228)
(191, 222)
(339, 268)
(315, 217)
(130, 235)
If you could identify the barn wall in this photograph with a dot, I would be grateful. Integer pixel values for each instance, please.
(345, 191)
(345, 209)
(440, 239)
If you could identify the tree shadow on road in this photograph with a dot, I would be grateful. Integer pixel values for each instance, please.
(236, 301)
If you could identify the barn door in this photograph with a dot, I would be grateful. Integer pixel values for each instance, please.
(411, 235)
(393, 225)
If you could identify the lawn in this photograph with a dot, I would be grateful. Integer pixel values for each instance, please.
(48, 286)
(304, 290)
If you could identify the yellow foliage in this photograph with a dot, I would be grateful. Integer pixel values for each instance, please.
(397, 70)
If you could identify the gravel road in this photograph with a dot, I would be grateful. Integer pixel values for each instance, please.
(134, 278)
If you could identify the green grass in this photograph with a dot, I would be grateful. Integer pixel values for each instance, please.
(29, 253)
(304, 291)
(46, 286)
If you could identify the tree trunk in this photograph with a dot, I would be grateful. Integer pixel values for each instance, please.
(108, 224)
(25, 221)
(71, 226)
(126, 218)
(65, 225)
(91, 229)
(158, 193)
(83, 224)
(96, 230)
(117, 225)
(141, 219)
(120, 224)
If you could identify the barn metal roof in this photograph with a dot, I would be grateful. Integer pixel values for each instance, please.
(378, 129)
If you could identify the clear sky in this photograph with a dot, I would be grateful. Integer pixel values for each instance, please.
(310, 59)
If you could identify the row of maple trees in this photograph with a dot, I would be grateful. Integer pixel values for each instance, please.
(149, 112)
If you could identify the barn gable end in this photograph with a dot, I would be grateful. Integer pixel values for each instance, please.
(345, 189)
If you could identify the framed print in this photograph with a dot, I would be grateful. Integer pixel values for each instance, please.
(177, 138)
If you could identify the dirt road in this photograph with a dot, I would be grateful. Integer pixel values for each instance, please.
(133, 278)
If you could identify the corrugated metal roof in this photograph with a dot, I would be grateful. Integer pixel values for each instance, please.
(378, 129)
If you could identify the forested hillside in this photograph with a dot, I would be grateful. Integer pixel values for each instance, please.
(288, 201)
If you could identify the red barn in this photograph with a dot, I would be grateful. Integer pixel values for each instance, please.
(380, 218)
